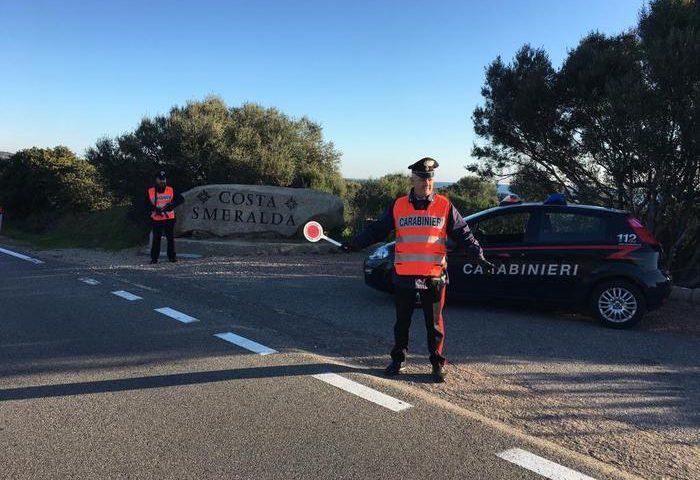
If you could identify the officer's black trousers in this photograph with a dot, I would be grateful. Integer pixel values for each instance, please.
(432, 301)
(167, 226)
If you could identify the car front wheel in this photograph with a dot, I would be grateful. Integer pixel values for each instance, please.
(617, 304)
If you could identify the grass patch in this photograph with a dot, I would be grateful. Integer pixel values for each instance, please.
(112, 229)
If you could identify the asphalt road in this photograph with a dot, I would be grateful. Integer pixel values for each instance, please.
(96, 386)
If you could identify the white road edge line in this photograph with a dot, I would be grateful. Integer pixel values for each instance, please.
(245, 343)
(19, 255)
(541, 466)
(363, 391)
(89, 281)
(179, 316)
(126, 295)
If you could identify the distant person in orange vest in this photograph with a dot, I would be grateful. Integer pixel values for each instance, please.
(422, 221)
(161, 201)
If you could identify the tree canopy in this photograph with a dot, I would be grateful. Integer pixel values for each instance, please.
(616, 125)
(209, 142)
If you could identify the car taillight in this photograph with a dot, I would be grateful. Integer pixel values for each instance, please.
(643, 234)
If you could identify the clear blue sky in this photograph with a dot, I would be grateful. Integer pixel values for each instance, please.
(389, 81)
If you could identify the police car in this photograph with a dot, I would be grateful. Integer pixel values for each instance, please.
(568, 255)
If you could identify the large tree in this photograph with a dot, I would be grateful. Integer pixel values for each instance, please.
(209, 142)
(616, 125)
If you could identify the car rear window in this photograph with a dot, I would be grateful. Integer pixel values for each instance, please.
(503, 229)
(573, 227)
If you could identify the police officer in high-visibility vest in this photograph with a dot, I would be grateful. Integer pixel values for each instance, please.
(422, 221)
(161, 201)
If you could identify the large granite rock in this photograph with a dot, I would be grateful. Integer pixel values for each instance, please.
(254, 211)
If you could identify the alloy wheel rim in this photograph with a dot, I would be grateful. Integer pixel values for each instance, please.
(617, 305)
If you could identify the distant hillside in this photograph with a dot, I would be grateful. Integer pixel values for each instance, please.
(5, 155)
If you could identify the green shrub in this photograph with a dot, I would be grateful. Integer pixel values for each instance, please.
(46, 183)
(374, 195)
(471, 194)
(366, 200)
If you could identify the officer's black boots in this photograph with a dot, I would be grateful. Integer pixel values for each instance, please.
(394, 368)
(439, 373)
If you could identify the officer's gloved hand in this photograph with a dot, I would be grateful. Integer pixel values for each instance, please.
(169, 207)
(159, 211)
(488, 266)
(345, 247)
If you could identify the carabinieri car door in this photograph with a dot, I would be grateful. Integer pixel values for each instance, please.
(571, 242)
(501, 232)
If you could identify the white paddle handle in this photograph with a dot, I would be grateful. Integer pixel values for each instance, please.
(337, 244)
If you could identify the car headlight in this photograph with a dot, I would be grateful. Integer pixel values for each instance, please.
(378, 254)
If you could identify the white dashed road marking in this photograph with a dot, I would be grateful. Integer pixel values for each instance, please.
(19, 255)
(89, 281)
(245, 343)
(541, 466)
(363, 392)
(179, 316)
(138, 285)
(126, 295)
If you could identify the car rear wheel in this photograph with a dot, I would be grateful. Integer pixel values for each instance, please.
(617, 304)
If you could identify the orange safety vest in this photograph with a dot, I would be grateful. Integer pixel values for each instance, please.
(161, 200)
(421, 236)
